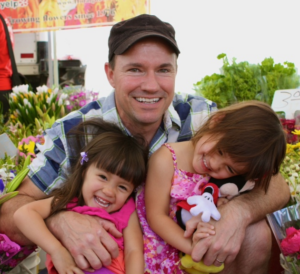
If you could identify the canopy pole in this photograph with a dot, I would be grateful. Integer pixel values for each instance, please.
(50, 64)
(55, 63)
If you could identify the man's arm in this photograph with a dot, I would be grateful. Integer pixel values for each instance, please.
(236, 216)
(28, 192)
(84, 236)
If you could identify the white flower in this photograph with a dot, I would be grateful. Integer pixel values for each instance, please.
(12, 95)
(20, 89)
(62, 99)
(294, 174)
(6, 175)
(55, 91)
(49, 99)
(42, 89)
(3, 174)
(11, 175)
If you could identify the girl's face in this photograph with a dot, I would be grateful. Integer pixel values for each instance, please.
(214, 163)
(105, 190)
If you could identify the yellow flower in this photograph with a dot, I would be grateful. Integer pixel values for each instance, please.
(289, 148)
(130, 8)
(29, 147)
(296, 132)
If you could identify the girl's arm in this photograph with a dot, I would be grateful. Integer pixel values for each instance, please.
(134, 247)
(30, 220)
(157, 199)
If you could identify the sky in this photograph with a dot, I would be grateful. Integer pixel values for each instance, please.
(246, 30)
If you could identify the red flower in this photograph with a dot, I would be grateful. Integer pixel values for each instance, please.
(291, 244)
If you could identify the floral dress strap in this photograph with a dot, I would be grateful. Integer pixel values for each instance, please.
(173, 154)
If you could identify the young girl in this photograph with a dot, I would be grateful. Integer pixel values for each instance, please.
(101, 183)
(243, 139)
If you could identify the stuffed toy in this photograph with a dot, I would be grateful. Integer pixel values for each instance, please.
(189, 266)
(206, 197)
(208, 191)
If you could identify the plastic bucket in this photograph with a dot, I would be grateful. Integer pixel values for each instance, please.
(29, 265)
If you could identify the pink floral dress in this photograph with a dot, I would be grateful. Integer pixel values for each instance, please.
(159, 256)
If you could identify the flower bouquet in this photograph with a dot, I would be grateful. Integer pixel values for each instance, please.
(76, 98)
(27, 106)
(285, 223)
(11, 254)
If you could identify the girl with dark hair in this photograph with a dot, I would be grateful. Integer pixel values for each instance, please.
(244, 139)
(101, 183)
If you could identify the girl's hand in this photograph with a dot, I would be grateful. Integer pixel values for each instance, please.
(204, 230)
(64, 263)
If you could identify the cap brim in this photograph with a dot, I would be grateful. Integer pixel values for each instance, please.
(126, 44)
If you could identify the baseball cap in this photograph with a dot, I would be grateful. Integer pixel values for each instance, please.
(126, 33)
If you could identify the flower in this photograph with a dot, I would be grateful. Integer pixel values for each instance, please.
(26, 146)
(11, 253)
(77, 98)
(2, 186)
(291, 244)
(8, 249)
(285, 225)
(290, 168)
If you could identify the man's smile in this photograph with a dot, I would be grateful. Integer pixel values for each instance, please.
(147, 100)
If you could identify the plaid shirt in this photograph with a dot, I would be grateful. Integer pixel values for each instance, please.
(49, 169)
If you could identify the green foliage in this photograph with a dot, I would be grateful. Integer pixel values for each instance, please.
(243, 81)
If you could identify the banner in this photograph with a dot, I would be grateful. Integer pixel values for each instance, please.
(41, 15)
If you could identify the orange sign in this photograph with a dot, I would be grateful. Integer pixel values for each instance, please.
(40, 15)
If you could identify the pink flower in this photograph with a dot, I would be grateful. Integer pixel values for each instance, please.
(8, 247)
(291, 244)
(82, 103)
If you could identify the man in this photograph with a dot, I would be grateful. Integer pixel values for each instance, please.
(142, 69)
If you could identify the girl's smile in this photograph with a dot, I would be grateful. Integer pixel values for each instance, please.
(105, 190)
(214, 162)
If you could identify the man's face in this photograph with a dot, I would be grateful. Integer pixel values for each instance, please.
(144, 81)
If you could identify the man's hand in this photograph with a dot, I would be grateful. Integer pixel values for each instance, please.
(226, 243)
(86, 238)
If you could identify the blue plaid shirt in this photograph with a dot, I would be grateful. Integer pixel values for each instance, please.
(49, 169)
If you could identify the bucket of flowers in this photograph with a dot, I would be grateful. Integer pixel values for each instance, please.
(30, 114)
(11, 254)
(285, 223)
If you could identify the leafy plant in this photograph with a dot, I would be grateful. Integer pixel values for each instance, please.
(243, 81)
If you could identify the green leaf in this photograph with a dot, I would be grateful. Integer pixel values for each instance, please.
(15, 182)
(8, 196)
